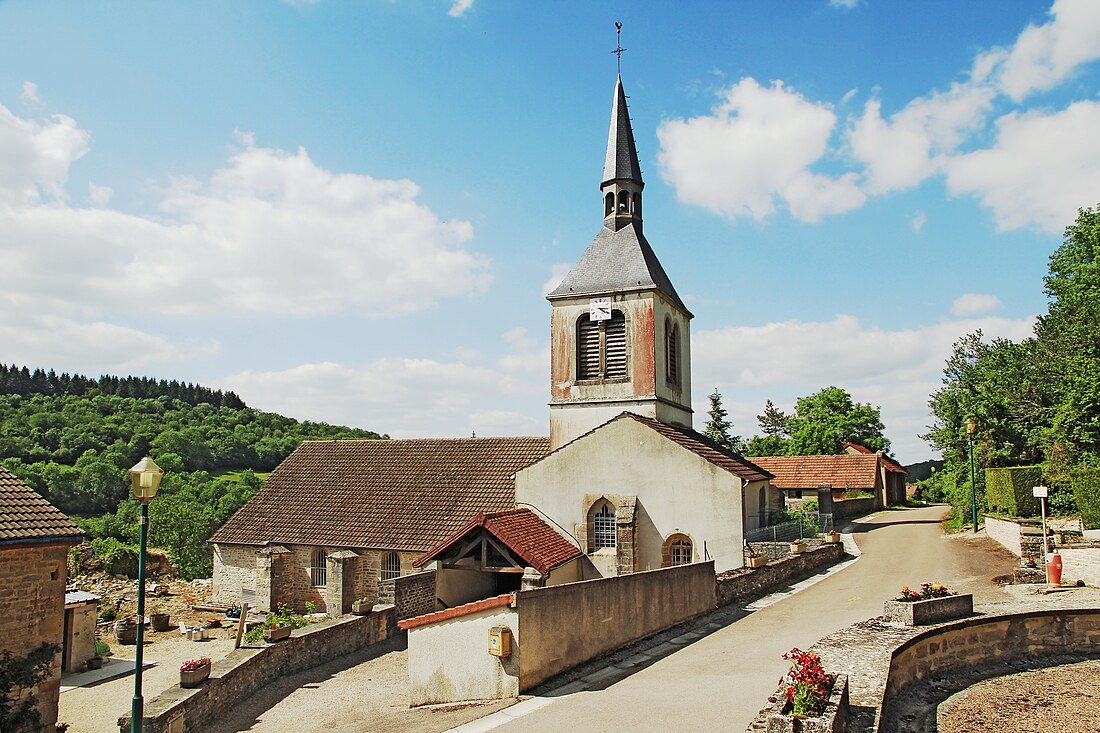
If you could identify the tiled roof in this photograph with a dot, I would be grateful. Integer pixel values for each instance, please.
(704, 447)
(806, 472)
(890, 463)
(382, 494)
(617, 261)
(523, 532)
(27, 517)
(450, 613)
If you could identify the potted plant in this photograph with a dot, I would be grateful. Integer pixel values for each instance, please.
(931, 604)
(832, 537)
(101, 651)
(809, 699)
(756, 559)
(362, 607)
(277, 632)
(160, 620)
(194, 671)
(126, 630)
(798, 546)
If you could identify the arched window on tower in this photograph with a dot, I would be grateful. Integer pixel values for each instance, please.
(624, 202)
(601, 347)
(609, 204)
(672, 352)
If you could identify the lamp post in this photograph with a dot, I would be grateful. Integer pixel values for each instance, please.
(145, 478)
(971, 428)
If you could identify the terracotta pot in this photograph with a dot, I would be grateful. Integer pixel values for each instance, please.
(160, 621)
(194, 677)
(1054, 570)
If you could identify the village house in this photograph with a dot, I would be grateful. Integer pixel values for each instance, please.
(35, 538)
(856, 470)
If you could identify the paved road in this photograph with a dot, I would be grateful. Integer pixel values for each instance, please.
(720, 682)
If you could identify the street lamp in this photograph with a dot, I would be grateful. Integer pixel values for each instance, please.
(145, 478)
(971, 428)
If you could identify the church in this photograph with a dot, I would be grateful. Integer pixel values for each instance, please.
(624, 479)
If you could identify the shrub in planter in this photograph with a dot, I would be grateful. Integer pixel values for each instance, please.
(194, 671)
(362, 607)
(931, 604)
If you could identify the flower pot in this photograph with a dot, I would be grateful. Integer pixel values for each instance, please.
(362, 609)
(798, 548)
(277, 634)
(194, 677)
(833, 720)
(95, 662)
(757, 562)
(931, 611)
(160, 621)
(126, 631)
(832, 538)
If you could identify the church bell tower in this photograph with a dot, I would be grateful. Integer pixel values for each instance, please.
(620, 335)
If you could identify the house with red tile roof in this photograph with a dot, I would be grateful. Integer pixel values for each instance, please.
(35, 538)
(338, 517)
(893, 474)
(858, 469)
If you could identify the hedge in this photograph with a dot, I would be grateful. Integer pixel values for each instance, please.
(1086, 491)
(1008, 490)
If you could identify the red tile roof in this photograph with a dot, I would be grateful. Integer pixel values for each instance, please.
(381, 494)
(522, 531)
(449, 613)
(890, 463)
(843, 471)
(27, 517)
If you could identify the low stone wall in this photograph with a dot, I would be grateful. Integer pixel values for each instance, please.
(845, 509)
(413, 594)
(249, 668)
(743, 584)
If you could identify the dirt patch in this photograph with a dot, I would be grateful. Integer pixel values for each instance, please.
(1064, 699)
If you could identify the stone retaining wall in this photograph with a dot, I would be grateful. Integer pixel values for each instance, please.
(249, 668)
(413, 594)
(742, 584)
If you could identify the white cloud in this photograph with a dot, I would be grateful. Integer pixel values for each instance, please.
(975, 304)
(1043, 56)
(460, 7)
(30, 94)
(558, 271)
(844, 4)
(754, 153)
(896, 369)
(269, 233)
(99, 196)
(1042, 168)
(918, 221)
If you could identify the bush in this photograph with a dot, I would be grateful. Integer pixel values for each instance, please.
(810, 505)
(1008, 490)
(1086, 490)
(118, 558)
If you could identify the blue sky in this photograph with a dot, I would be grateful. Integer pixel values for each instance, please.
(350, 211)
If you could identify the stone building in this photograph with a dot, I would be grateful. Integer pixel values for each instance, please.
(35, 538)
(337, 517)
(799, 477)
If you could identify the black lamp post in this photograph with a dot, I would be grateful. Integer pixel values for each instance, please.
(145, 478)
(971, 428)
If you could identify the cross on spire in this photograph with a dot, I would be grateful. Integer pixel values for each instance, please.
(618, 47)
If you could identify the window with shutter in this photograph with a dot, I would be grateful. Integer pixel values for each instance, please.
(615, 345)
(588, 348)
(601, 347)
(672, 352)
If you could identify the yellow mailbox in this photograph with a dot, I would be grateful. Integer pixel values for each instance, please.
(500, 641)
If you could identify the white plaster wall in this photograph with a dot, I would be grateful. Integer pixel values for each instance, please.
(678, 490)
(449, 661)
(1081, 563)
(1004, 532)
(680, 395)
(571, 572)
(234, 568)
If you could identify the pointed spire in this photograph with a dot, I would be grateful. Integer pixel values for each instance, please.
(621, 162)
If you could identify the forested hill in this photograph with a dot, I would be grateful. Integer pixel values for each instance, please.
(72, 439)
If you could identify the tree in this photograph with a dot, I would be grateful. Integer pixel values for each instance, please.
(824, 421)
(718, 427)
(773, 421)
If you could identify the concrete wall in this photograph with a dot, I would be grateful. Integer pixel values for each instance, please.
(677, 491)
(565, 625)
(248, 669)
(450, 662)
(81, 642)
(986, 643)
(32, 610)
(743, 584)
(1006, 532)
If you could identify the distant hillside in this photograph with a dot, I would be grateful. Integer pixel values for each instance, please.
(921, 471)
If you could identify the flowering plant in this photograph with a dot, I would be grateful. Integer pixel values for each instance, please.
(362, 601)
(190, 665)
(797, 542)
(807, 684)
(753, 552)
(927, 590)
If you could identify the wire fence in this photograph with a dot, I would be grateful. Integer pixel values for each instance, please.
(807, 525)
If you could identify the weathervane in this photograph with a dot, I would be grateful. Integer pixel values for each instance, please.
(618, 47)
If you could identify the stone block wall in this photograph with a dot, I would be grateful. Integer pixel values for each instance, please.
(32, 610)
(844, 509)
(234, 569)
(413, 595)
(248, 669)
(742, 584)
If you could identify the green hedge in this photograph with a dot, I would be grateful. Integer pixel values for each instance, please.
(1008, 490)
(1086, 491)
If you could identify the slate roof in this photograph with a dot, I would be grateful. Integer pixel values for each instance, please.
(621, 161)
(521, 531)
(27, 517)
(890, 463)
(381, 494)
(843, 471)
(617, 261)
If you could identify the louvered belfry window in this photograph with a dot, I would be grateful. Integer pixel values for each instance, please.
(601, 347)
(672, 343)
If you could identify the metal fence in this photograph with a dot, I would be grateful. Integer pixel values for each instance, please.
(810, 525)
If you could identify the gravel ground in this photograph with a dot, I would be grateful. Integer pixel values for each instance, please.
(1064, 699)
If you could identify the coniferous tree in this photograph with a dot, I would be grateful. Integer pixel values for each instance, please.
(718, 427)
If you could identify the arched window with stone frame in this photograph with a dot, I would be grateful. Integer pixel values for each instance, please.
(318, 568)
(390, 567)
(602, 526)
(678, 549)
